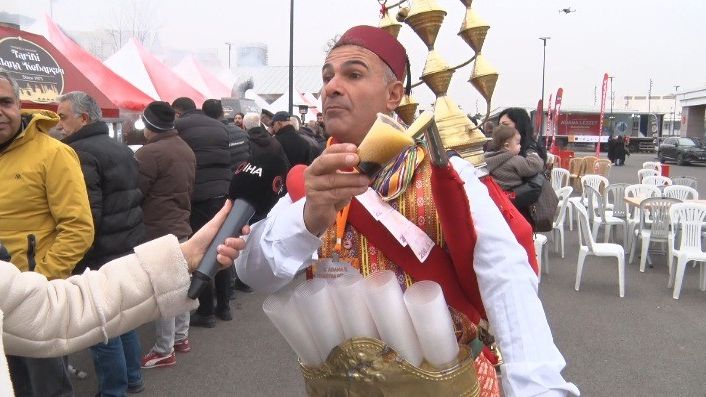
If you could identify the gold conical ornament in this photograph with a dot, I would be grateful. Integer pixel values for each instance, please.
(458, 132)
(467, 3)
(473, 30)
(483, 77)
(437, 73)
(425, 18)
(390, 24)
(407, 109)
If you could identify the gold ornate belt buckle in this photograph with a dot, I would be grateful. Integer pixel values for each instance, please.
(367, 367)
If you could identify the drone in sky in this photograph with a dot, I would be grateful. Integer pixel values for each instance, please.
(567, 10)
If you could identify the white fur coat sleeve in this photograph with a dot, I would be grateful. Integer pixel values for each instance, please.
(53, 318)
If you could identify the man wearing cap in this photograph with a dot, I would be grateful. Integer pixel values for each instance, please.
(298, 149)
(110, 172)
(363, 75)
(167, 167)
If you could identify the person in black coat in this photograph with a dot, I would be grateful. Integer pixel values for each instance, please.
(238, 140)
(208, 138)
(298, 150)
(110, 172)
(111, 175)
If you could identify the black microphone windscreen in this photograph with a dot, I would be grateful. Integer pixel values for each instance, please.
(259, 181)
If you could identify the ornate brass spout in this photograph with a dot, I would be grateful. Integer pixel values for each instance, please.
(390, 24)
(407, 109)
(473, 30)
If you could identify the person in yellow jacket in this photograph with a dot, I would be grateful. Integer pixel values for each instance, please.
(45, 217)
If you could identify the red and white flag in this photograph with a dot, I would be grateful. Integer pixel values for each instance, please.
(548, 119)
(555, 116)
(604, 89)
(537, 117)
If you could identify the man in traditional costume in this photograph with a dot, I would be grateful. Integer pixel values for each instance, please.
(491, 281)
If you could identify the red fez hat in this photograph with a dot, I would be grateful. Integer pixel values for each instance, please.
(383, 44)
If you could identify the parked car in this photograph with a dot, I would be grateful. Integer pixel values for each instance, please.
(681, 150)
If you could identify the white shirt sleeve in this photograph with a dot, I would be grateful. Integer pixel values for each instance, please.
(278, 247)
(508, 286)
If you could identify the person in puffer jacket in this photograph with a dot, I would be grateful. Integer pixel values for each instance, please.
(504, 162)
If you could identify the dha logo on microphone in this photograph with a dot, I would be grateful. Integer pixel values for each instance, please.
(249, 168)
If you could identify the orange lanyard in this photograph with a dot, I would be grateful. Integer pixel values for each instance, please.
(341, 220)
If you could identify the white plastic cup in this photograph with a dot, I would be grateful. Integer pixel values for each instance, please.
(282, 310)
(386, 304)
(316, 306)
(348, 292)
(432, 323)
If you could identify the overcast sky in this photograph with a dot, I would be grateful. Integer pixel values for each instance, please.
(633, 40)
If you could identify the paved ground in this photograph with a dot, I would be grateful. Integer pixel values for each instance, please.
(643, 344)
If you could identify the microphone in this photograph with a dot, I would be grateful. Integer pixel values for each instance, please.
(256, 186)
(295, 182)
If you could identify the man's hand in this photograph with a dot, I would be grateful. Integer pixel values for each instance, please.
(195, 248)
(328, 189)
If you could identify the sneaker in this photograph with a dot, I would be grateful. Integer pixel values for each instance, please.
(134, 389)
(224, 314)
(154, 360)
(182, 346)
(199, 320)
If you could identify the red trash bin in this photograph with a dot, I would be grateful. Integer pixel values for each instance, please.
(665, 170)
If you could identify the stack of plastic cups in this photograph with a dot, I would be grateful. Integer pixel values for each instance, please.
(387, 307)
(282, 310)
(319, 313)
(432, 323)
(348, 293)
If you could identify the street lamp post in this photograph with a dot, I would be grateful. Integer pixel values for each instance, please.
(544, 62)
(291, 56)
(674, 111)
(229, 44)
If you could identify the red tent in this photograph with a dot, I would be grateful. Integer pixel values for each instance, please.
(44, 73)
(142, 69)
(120, 92)
(201, 78)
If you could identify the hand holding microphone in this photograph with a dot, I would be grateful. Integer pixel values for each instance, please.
(255, 188)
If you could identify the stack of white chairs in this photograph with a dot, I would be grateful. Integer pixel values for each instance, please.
(588, 246)
(598, 216)
(597, 182)
(558, 227)
(540, 253)
(689, 219)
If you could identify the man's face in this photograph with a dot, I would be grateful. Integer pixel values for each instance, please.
(320, 118)
(238, 120)
(354, 91)
(69, 122)
(9, 112)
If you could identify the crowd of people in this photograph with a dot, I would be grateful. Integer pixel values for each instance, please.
(86, 205)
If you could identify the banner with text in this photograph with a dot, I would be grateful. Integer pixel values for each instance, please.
(604, 89)
(557, 111)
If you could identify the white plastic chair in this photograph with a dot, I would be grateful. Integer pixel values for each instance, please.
(633, 214)
(540, 253)
(657, 209)
(597, 182)
(558, 227)
(680, 192)
(690, 218)
(597, 249)
(597, 215)
(657, 180)
(559, 178)
(685, 181)
(653, 165)
(641, 174)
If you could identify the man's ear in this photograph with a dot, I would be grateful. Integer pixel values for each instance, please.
(395, 93)
(84, 118)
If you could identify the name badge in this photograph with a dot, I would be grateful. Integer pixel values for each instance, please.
(334, 267)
